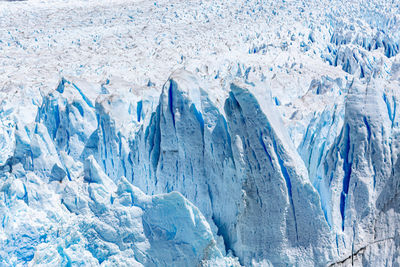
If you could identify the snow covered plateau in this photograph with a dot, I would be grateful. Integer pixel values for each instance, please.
(200, 133)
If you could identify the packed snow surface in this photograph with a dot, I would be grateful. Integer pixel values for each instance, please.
(199, 133)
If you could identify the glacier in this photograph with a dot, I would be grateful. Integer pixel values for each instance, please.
(182, 133)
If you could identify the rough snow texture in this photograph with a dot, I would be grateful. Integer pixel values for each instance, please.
(199, 133)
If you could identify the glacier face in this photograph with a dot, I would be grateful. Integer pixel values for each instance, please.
(133, 136)
(60, 208)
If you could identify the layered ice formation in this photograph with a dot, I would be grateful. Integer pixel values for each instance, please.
(182, 133)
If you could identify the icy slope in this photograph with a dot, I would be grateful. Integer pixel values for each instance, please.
(199, 133)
